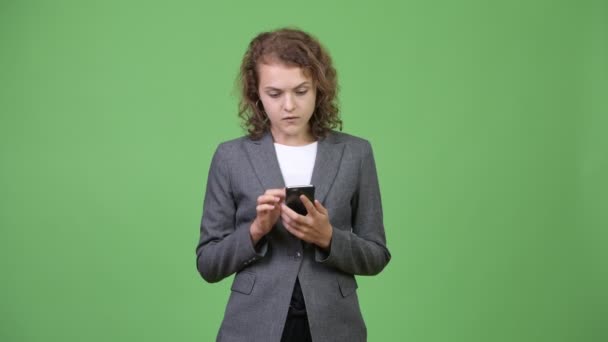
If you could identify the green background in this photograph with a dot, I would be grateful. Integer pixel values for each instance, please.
(488, 120)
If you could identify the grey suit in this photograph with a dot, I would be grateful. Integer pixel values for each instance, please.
(346, 184)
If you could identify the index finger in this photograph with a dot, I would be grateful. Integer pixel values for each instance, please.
(308, 204)
(276, 192)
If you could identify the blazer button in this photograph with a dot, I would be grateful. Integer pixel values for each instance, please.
(298, 255)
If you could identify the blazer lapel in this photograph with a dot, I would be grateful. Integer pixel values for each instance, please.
(329, 156)
(263, 157)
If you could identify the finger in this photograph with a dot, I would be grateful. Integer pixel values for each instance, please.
(287, 222)
(308, 204)
(294, 231)
(290, 213)
(268, 199)
(276, 192)
(286, 219)
(264, 207)
(320, 208)
(302, 224)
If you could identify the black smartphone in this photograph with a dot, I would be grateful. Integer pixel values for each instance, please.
(292, 197)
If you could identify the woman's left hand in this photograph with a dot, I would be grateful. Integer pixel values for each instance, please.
(313, 228)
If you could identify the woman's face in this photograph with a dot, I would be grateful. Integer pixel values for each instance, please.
(288, 96)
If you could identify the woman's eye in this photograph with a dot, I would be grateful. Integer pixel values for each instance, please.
(274, 95)
(302, 92)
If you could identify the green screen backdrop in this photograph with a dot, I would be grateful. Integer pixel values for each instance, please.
(488, 119)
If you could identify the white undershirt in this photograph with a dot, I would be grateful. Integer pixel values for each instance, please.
(296, 162)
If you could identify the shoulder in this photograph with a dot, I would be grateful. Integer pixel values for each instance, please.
(351, 142)
(228, 152)
(232, 146)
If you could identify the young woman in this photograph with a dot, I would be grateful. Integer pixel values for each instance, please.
(294, 274)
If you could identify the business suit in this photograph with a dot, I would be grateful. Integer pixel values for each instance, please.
(346, 184)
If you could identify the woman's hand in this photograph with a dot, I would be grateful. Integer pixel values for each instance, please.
(268, 212)
(314, 227)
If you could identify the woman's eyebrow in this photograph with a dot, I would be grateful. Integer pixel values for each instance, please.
(296, 87)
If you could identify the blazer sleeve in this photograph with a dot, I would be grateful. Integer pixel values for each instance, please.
(361, 249)
(223, 249)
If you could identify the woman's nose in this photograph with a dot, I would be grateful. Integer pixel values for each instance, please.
(289, 103)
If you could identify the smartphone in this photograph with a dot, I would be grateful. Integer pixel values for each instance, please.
(292, 197)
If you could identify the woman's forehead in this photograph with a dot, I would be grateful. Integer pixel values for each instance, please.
(280, 75)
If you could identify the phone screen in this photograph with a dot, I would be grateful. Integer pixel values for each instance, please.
(292, 197)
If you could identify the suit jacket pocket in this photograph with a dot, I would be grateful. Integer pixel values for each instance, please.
(347, 284)
(243, 282)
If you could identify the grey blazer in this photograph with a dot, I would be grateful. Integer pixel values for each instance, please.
(346, 183)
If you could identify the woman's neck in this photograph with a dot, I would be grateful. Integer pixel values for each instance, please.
(293, 140)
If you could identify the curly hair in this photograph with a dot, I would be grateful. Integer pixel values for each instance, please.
(292, 47)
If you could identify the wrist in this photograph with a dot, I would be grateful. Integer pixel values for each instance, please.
(327, 241)
(255, 232)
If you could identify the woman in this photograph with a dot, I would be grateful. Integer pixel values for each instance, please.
(294, 274)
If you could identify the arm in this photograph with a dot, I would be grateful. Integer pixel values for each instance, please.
(360, 249)
(223, 248)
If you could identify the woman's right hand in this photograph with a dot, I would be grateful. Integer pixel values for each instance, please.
(268, 212)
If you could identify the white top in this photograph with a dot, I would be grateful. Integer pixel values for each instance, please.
(296, 162)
